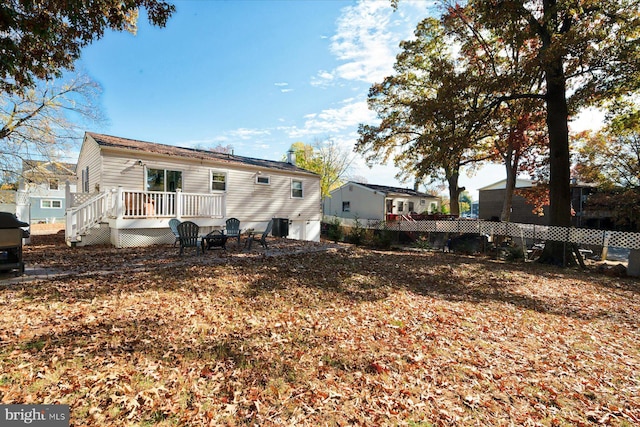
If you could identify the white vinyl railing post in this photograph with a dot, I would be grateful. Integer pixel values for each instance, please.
(178, 207)
(119, 202)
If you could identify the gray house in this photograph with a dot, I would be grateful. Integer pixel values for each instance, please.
(492, 197)
(378, 202)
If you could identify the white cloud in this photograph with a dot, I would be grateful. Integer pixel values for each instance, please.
(243, 133)
(199, 143)
(286, 90)
(323, 78)
(367, 39)
(229, 137)
(281, 84)
(333, 121)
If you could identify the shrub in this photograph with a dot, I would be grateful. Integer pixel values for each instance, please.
(422, 242)
(334, 231)
(382, 239)
(357, 233)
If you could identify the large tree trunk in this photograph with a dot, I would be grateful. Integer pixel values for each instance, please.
(510, 186)
(555, 252)
(559, 168)
(454, 193)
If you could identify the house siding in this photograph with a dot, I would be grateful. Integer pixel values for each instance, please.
(122, 170)
(89, 156)
(364, 203)
(49, 215)
(369, 204)
(490, 207)
(245, 199)
(417, 207)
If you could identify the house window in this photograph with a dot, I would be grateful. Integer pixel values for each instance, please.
(53, 184)
(346, 206)
(85, 180)
(423, 202)
(400, 206)
(218, 181)
(163, 180)
(296, 189)
(433, 208)
(264, 180)
(411, 207)
(50, 204)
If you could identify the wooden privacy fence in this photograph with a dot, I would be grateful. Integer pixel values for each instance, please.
(580, 236)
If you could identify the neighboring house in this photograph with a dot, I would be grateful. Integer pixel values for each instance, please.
(128, 190)
(491, 199)
(44, 183)
(378, 202)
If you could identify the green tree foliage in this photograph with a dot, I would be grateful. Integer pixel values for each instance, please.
(327, 159)
(431, 113)
(610, 158)
(518, 124)
(41, 122)
(39, 39)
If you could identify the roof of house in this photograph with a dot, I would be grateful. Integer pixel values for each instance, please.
(527, 183)
(192, 153)
(49, 167)
(395, 190)
(502, 184)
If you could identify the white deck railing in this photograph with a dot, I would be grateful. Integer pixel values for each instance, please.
(157, 204)
(124, 204)
(86, 215)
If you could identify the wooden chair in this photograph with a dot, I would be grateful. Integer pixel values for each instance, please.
(261, 235)
(233, 228)
(188, 234)
(173, 225)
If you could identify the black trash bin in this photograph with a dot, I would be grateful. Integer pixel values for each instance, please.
(11, 235)
(280, 227)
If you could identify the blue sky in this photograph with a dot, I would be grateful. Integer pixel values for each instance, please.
(257, 75)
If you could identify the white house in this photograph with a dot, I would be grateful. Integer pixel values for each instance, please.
(378, 202)
(129, 190)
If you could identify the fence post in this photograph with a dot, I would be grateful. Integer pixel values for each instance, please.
(633, 267)
(605, 245)
(564, 248)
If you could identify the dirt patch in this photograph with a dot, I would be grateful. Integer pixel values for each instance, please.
(40, 229)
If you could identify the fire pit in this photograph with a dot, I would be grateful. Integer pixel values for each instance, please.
(215, 239)
(11, 235)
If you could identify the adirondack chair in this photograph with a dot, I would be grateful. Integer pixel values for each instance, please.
(233, 228)
(189, 236)
(261, 235)
(173, 225)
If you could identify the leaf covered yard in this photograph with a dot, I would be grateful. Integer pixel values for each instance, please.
(336, 337)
